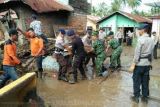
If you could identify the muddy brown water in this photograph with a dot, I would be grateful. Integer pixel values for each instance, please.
(115, 91)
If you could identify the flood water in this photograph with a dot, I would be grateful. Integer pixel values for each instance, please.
(115, 91)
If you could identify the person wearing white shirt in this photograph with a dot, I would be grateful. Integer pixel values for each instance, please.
(87, 41)
(155, 39)
(129, 38)
(102, 35)
(59, 50)
(119, 36)
(36, 25)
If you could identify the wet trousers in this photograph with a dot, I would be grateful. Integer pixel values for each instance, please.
(78, 64)
(100, 58)
(141, 78)
(89, 56)
(115, 57)
(63, 65)
(155, 51)
(39, 60)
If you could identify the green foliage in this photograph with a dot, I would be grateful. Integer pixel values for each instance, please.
(141, 13)
(103, 9)
(155, 10)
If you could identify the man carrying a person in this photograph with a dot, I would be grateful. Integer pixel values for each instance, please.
(115, 61)
(99, 50)
(87, 41)
(59, 51)
(78, 54)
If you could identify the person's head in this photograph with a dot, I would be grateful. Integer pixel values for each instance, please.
(143, 29)
(110, 34)
(31, 32)
(62, 32)
(120, 29)
(95, 35)
(110, 28)
(154, 33)
(71, 34)
(13, 33)
(110, 37)
(101, 30)
(34, 17)
(89, 33)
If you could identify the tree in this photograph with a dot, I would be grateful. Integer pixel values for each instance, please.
(115, 6)
(101, 10)
(141, 13)
(131, 3)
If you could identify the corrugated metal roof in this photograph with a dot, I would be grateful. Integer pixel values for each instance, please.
(44, 5)
(93, 18)
(12, 14)
(155, 17)
(136, 18)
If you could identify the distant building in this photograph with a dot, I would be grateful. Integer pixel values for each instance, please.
(123, 20)
(155, 18)
(92, 21)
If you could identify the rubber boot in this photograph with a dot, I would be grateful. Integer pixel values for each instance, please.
(72, 80)
(64, 78)
(36, 74)
(41, 74)
(59, 76)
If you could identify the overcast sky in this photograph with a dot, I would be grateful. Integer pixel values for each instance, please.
(140, 8)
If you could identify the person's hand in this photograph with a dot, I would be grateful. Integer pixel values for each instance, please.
(18, 29)
(22, 65)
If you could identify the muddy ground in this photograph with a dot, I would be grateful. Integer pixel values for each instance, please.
(115, 91)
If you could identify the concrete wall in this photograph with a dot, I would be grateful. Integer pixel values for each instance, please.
(118, 20)
(78, 22)
(156, 26)
(123, 21)
(91, 23)
(110, 22)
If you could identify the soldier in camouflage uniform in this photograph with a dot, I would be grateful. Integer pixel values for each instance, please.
(99, 50)
(116, 53)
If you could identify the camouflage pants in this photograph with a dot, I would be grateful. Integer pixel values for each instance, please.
(99, 62)
(115, 57)
(63, 64)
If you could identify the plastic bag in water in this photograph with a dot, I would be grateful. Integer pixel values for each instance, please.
(105, 73)
(89, 72)
(50, 64)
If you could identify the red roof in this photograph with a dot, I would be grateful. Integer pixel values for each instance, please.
(155, 17)
(43, 5)
(136, 18)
